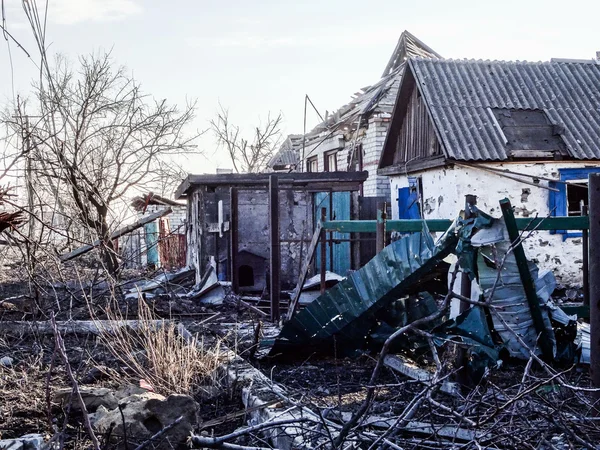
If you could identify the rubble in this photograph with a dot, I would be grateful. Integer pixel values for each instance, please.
(26, 442)
(141, 416)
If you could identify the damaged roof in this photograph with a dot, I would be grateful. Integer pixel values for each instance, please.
(324, 181)
(465, 97)
(378, 97)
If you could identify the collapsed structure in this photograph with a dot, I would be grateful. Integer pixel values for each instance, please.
(508, 313)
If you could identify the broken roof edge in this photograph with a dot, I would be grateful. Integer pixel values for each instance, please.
(400, 48)
(351, 180)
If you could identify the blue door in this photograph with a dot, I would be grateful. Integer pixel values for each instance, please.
(151, 230)
(340, 203)
(408, 201)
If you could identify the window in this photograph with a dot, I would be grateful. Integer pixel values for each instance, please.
(330, 161)
(566, 201)
(312, 165)
(529, 133)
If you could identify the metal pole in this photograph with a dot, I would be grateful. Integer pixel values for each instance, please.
(275, 246)
(586, 259)
(381, 218)
(322, 267)
(526, 279)
(594, 272)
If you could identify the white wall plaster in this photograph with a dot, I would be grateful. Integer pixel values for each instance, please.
(444, 191)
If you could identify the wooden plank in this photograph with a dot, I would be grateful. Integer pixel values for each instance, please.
(117, 234)
(234, 242)
(303, 273)
(274, 246)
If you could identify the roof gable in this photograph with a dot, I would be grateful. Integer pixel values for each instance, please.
(379, 97)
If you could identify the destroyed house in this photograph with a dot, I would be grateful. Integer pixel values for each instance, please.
(522, 130)
(351, 138)
(236, 222)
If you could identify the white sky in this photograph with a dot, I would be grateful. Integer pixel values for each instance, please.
(256, 56)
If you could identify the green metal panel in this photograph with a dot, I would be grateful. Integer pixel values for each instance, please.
(412, 226)
(345, 314)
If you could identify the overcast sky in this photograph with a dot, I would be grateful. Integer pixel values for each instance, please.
(261, 56)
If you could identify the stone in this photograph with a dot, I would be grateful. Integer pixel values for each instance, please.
(27, 442)
(6, 361)
(93, 397)
(148, 413)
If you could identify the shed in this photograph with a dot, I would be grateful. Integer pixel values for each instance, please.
(231, 214)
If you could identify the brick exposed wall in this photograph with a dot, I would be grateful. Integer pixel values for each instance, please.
(376, 185)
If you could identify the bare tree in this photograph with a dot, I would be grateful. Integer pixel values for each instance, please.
(96, 137)
(248, 155)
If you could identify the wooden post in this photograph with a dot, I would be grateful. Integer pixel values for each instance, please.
(526, 279)
(275, 246)
(381, 218)
(586, 259)
(323, 267)
(594, 271)
(465, 280)
(233, 239)
(331, 217)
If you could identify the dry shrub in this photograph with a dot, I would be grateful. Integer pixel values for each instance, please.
(155, 351)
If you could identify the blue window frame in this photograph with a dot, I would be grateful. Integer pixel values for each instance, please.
(558, 201)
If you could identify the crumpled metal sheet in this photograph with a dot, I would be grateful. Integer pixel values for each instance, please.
(346, 312)
(509, 295)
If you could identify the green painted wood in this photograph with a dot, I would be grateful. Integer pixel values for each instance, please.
(582, 311)
(414, 226)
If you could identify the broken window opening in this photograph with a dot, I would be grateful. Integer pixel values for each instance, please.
(330, 162)
(577, 192)
(566, 200)
(246, 276)
(529, 133)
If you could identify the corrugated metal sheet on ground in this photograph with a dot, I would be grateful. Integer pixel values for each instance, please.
(347, 310)
(459, 94)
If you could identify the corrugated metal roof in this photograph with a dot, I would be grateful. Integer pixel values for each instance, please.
(460, 93)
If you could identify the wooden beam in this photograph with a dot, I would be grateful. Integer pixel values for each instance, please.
(262, 179)
(381, 222)
(303, 273)
(323, 268)
(274, 246)
(234, 241)
(413, 166)
(594, 268)
(117, 234)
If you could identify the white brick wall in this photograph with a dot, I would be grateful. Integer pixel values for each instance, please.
(376, 185)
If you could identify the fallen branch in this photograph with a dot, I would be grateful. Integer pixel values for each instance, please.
(221, 441)
(117, 234)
